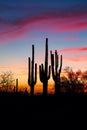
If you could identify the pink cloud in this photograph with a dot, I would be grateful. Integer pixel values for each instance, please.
(72, 50)
(69, 38)
(51, 22)
(7, 37)
(75, 59)
(74, 27)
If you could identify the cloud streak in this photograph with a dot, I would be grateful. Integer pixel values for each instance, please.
(73, 50)
(49, 20)
(75, 59)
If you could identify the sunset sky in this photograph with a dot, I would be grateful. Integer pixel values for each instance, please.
(27, 22)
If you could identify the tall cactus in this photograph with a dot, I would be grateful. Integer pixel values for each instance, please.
(32, 75)
(56, 71)
(44, 73)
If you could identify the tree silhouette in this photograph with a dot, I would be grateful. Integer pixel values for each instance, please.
(84, 76)
(65, 84)
(6, 80)
(44, 71)
(74, 80)
(84, 80)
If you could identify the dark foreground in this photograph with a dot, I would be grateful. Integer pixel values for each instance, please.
(63, 107)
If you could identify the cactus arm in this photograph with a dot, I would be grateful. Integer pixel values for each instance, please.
(29, 78)
(42, 68)
(35, 73)
(46, 53)
(52, 64)
(55, 61)
(60, 64)
(49, 73)
(32, 64)
(41, 73)
(46, 58)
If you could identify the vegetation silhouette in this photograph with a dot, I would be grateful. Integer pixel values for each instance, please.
(32, 74)
(60, 106)
(56, 70)
(44, 71)
(74, 80)
(71, 82)
(6, 81)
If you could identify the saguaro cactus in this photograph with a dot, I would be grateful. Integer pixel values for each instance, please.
(32, 75)
(16, 85)
(44, 71)
(56, 71)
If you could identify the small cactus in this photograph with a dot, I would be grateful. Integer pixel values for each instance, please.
(16, 85)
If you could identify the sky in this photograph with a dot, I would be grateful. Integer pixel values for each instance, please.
(27, 22)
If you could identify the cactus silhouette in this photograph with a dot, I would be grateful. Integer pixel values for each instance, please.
(44, 71)
(14, 89)
(32, 75)
(16, 85)
(56, 71)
